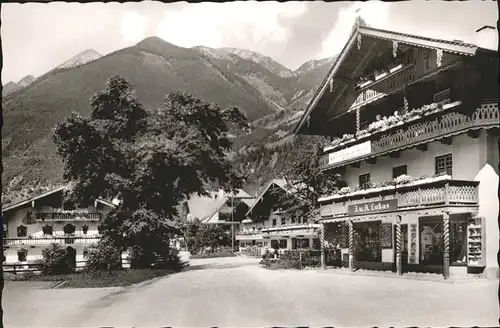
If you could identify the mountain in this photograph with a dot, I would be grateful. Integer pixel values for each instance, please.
(9, 88)
(267, 62)
(271, 99)
(25, 81)
(81, 58)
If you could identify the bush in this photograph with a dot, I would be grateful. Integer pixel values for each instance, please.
(56, 260)
(104, 254)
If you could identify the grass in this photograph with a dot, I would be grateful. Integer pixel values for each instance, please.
(120, 278)
(212, 255)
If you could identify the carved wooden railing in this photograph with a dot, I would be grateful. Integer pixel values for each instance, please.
(68, 216)
(291, 226)
(432, 193)
(386, 85)
(47, 240)
(449, 124)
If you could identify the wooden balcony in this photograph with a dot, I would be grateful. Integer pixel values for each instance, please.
(419, 194)
(47, 240)
(419, 131)
(387, 84)
(291, 226)
(48, 217)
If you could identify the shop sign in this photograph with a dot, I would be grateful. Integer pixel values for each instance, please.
(373, 207)
(346, 154)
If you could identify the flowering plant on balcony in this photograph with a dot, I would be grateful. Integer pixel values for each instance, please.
(402, 179)
(344, 191)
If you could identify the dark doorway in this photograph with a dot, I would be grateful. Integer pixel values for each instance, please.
(404, 247)
(71, 254)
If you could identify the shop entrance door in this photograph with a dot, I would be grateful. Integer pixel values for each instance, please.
(404, 247)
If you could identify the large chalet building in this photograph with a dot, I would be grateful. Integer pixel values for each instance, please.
(31, 225)
(413, 124)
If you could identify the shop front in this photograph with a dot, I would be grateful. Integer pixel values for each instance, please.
(382, 236)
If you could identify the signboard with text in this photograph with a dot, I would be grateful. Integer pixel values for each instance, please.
(353, 152)
(373, 207)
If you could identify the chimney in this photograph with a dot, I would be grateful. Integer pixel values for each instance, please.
(487, 37)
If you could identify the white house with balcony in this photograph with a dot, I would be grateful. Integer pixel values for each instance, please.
(33, 224)
(414, 125)
(269, 227)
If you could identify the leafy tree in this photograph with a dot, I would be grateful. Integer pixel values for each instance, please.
(305, 182)
(56, 260)
(103, 256)
(199, 236)
(151, 159)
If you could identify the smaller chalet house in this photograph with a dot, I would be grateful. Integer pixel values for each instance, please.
(31, 225)
(267, 226)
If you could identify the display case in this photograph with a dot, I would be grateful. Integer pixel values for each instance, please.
(476, 242)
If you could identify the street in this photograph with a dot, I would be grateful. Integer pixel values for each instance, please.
(237, 292)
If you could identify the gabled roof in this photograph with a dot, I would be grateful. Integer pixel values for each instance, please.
(457, 47)
(205, 207)
(280, 183)
(48, 193)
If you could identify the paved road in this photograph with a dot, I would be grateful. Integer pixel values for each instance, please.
(236, 292)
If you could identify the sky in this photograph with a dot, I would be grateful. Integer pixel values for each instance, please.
(38, 37)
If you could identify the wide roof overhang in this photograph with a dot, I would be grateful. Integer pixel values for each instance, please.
(337, 92)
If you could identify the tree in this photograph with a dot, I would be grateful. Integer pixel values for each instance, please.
(151, 159)
(199, 236)
(305, 181)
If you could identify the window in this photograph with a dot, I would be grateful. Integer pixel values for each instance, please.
(100, 229)
(444, 164)
(303, 243)
(283, 221)
(85, 254)
(442, 97)
(85, 229)
(69, 229)
(367, 246)
(22, 255)
(427, 59)
(398, 170)
(5, 231)
(458, 242)
(47, 230)
(283, 243)
(22, 231)
(364, 181)
(274, 222)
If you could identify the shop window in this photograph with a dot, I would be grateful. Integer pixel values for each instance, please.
(431, 243)
(303, 243)
(47, 229)
(458, 242)
(367, 241)
(399, 170)
(337, 234)
(444, 164)
(22, 255)
(364, 181)
(275, 244)
(22, 231)
(283, 243)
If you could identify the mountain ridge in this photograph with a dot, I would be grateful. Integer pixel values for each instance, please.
(154, 67)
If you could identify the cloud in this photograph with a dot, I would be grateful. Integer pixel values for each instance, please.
(219, 24)
(133, 27)
(375, 14)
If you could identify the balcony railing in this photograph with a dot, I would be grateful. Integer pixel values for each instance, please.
(385, 85)
(68, 216)
(419, 194)
(410, 135)
(291, 226)
(47, 240)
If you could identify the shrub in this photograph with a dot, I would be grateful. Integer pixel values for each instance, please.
(102, 255)
(56, 260)
(141, 258)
